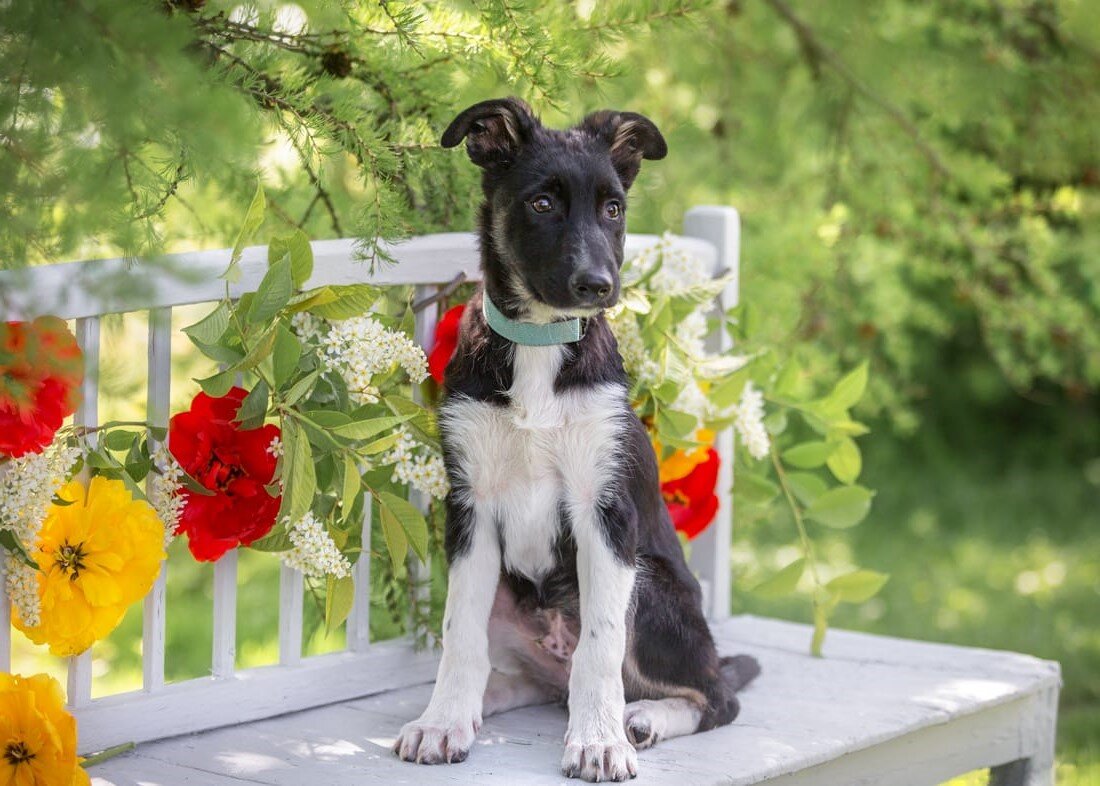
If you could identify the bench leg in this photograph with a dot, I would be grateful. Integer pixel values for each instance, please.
(1038, 770)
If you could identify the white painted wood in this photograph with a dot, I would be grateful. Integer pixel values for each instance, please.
(710, 550)
(420, 573)
(224, 659)
(291, 589)
(79, 687)
(251, 694)
(79, 289)
(158, 401)
(358, 625)
(880, 711)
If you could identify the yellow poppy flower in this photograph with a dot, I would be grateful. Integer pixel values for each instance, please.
(37, 735)
(95, 556)
(682, 462)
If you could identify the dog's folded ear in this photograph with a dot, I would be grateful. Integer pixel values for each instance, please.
(630, 138)
(494, 130)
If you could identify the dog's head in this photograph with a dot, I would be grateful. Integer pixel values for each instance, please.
(555, 202)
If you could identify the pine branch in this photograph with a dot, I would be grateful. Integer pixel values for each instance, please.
(817, 53)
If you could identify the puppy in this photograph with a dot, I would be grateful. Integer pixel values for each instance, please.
(567, 580)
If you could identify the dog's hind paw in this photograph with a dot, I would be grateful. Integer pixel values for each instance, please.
(602, 761)
(427, 742)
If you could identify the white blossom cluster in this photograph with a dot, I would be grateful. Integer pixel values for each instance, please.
(314, 553)
(275, 448)
(637, 361)
(749, 422)
(693, 401)
(417, 466)
(361, 347)
(679, 272)
(27, 485)
(165, 491)
(306, 326)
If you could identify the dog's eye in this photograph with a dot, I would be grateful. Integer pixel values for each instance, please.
(613, 209)
(542, 204)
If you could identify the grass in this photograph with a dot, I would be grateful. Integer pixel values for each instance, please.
(991, 533)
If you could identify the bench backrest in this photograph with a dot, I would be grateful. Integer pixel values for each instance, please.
(87, 291)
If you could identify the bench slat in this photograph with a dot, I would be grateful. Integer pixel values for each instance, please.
(224, 659)
(158, 402)
(291, 588)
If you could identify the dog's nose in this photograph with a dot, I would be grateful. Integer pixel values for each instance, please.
(591, 286)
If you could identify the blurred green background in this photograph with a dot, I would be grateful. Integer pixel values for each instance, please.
(919, 182)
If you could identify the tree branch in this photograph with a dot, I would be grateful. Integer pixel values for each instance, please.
(818, 53)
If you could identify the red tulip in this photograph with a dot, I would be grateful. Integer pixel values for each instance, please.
(691, 500)
(446, 339)
(41, 368)
(233, 463)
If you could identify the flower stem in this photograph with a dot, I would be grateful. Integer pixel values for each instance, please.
(110, 753)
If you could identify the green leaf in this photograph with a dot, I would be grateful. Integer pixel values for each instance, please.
(314, 297)
(301, 255)
(678, 424)
(253, 410)
(380, 444)
(754, 488)
(849, 390)
(858, 586)
(338, 602)
(805, 486)
(634, 299)
(273, 293)
(276, 540)
(119, 440)
(9, 541)
(845, 461)
(808, 455)
(211, 327)
(285, 355)
(410, 519)
(726, 393)
(841, 508)
(365, 429)
(302, 387)
(351, 301)
(252, 220)
(790, 383)
(352, 484)
(782, 583)
(259, 351)
(397, 544)
(299, 476)
(218, 384)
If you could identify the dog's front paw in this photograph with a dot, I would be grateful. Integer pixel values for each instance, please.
(606, 760)
(426, 741)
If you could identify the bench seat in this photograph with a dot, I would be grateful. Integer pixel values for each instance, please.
(875, 710)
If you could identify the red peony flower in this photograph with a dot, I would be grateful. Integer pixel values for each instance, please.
(691, 500)
(232, 462)
(41, 368)
(446, 339)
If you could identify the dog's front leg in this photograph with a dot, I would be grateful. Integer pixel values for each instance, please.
(446, 730)
(596, 746)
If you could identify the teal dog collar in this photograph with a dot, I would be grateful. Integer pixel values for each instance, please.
(531, 334)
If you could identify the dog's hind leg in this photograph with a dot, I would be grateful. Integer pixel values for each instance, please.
(649, 721)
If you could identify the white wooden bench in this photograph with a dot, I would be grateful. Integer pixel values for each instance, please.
(873, 711)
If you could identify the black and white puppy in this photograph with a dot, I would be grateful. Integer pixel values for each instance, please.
(567, 580)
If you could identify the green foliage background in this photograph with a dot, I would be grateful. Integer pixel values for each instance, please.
(919, 183)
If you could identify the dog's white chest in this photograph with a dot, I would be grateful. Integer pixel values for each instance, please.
(546, 452)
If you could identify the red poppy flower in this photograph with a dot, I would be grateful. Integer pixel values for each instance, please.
(41, 368)
(232, 462)
(691, 500)
(446, 339)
